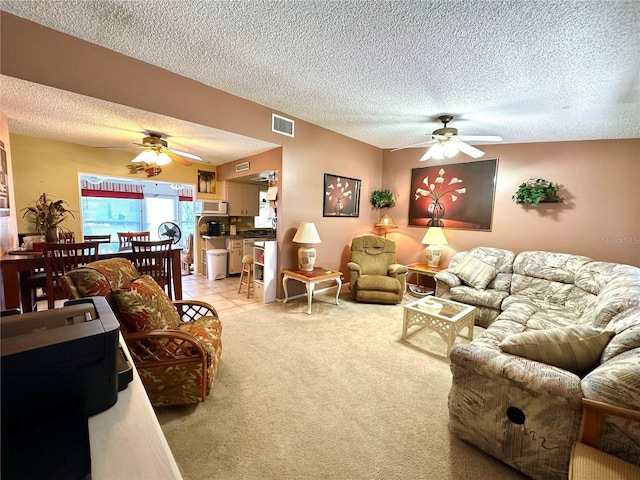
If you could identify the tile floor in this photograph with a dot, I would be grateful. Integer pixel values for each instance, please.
(222, 294)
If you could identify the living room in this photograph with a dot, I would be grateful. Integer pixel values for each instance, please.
(597, 177)
(599, 218)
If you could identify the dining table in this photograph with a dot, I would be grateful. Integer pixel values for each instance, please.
(18, 264)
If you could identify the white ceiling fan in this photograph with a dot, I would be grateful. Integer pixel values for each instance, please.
(447, 143)
(154, 144)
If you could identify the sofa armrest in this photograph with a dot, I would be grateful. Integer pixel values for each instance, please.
(190, 310)
(445, 281)
(153, 346)
(535, 377)
(354, 267)
(396, 268)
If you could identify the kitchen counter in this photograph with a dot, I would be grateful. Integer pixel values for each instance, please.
(239, 236)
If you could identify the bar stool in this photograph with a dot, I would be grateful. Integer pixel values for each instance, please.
(247, 267)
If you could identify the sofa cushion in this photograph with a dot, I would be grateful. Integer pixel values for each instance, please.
(475, 272)
(144, 305)
(626, 327)
(575, 348)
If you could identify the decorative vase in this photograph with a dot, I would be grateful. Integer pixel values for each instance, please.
(52, 234)
(436, 212)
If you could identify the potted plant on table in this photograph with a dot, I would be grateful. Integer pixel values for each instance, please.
(537, 190)
(47, 215)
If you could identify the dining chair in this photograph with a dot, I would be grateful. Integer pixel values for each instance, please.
(36, 281)
(154, 258)
(125, 238)
(66, 237)
(60, 258)
(98, 238)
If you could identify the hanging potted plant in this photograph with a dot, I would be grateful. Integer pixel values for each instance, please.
(382, 198)
(47, 215)
(535, 191)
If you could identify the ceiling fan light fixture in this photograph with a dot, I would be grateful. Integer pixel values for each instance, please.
(152, 156)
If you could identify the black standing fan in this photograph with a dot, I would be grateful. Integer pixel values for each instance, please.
(169, 231)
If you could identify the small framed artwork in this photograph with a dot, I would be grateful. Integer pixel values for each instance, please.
(206, 181)
(341, 196)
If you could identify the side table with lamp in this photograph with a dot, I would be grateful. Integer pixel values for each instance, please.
(433, 238)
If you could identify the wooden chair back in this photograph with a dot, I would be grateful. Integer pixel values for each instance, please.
(66, 237)
(60, 258)
(125, 238)
(154, 258)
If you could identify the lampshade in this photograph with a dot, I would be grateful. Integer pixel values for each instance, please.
(386, 222)
(441, 149)
(152, 156)
(307, 233)
(434, 236)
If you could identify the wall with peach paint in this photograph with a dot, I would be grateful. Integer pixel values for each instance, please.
(42, 55)
(600, 217)
(8, 224)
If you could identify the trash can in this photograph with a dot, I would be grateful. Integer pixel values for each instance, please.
(216, 264)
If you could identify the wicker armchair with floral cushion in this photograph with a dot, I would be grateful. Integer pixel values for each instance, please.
(175, 346)
(374, 272)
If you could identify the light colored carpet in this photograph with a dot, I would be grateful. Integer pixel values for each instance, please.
(332, 395)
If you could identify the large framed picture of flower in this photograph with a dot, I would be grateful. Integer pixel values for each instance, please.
(341, 196)
(454, 196)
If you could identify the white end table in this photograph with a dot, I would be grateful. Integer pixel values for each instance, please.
(317, 275)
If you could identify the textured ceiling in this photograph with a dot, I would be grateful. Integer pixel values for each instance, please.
(377, 71)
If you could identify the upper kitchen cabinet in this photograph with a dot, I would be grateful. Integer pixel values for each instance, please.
(243, 199)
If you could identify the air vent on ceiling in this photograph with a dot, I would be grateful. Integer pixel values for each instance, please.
(282, 125)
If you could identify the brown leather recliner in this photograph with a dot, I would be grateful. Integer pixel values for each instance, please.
(375, 274)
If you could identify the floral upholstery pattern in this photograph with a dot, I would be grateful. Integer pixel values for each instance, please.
(527, 413)
(175, 353)
(144, 306)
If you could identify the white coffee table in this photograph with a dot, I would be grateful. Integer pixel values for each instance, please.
(447, 322)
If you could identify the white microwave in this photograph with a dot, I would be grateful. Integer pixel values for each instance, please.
(211, 207)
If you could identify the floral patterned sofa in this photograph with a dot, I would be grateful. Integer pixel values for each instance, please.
(175, 346)
(569, 328)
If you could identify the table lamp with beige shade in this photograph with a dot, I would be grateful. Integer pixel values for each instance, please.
(307, 235)
(434, 238)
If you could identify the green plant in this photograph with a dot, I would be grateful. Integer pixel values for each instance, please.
(205, 176)
(46, 214)
(534, 191)
(382, 198)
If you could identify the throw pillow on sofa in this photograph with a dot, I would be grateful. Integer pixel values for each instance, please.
(145, 306)
(576, 348)
(474, 272)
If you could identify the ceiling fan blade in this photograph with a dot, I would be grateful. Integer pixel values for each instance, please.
(469, 150)
(428, 154)
(413, 146)
(480, 138)
(185, 154)
(177, 158)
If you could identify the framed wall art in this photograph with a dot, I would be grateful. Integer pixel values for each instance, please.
(454, 196)
(206, 181)
(341, 196)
